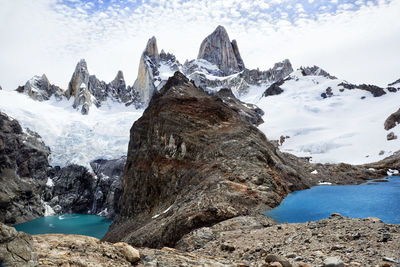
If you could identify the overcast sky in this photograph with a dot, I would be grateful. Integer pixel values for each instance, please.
(355, 40)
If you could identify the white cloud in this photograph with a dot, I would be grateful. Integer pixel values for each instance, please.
(360, 45)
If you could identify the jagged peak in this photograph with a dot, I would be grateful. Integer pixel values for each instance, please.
(220, 29)
(219, 50)
(151, 49)
(120, 76)
(81, 65)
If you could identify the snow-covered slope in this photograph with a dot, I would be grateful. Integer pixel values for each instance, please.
(72, 137)
(347, 127)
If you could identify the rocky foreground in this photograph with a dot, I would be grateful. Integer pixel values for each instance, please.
(241, 241)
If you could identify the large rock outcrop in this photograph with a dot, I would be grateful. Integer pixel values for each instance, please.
(219, 50)
(193, 161)
(392, 120)
(23, 167)
(16, 248)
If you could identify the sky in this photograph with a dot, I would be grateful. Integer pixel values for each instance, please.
(358, 41)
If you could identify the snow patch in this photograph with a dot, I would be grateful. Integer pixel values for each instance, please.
(314, 172)
(391, 172)
(324, 183)
(49, 182)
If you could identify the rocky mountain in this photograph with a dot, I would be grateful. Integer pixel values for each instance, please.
(85, 89)
(154, 69)
(39, 88)
(220, 51)
(195, 160)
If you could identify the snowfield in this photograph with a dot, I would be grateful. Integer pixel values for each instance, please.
(72, 137)
(342, 128)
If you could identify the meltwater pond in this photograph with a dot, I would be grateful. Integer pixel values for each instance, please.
(372, 199)
(78, 224)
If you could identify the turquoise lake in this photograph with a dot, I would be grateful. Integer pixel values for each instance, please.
(372, 199)
(78, 224)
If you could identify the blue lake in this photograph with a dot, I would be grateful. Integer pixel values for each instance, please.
(373, 199)
(78, 224)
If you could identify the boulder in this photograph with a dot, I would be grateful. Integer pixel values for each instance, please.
(333, 262)
(391, 136)
(271, 259)
(131, 254)
(16, 248)
(392, 120)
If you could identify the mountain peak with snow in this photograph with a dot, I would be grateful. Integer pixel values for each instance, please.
(219, 50)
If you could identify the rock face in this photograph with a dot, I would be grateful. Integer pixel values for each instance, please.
(219, 50)
(16, 248)
(73, 189)
(39, 88)
(193, 161)
(23, 167)
(78, 87)
(108, 188)
(148, 69)
(392, 120)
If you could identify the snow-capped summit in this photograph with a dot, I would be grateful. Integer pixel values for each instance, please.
(219, 50)
(153, 69)
(39, 88)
